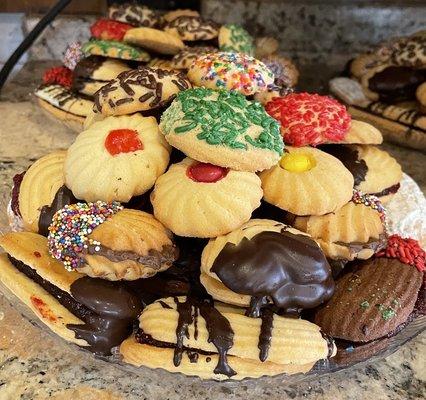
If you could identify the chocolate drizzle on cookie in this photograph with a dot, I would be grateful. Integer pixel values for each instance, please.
(287, 269)
(265, 335)
(194, 27)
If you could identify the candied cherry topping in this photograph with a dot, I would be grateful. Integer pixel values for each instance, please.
(123, 141)
(206, 173)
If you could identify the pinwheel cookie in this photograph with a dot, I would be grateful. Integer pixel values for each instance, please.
(231, 71)
(236, 39)
(219, 342)
(357, 230)
(192, 28)
(307, 181)
(93, 313)
(106, 241)
(266, 262)
(116, 158)
(222, 128)
(204, 200)
(141, 89)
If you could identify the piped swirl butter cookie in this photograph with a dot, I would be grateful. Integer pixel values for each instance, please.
(116, 158)
(361, 132)
(134, 14)
(222, 128)
(234, 38)
(307, 181)
(104, 240)
(231, 71)
(192, 28)
(266, 262)
(114, 49)
(204, 200)
(140, 89)
(208, 340)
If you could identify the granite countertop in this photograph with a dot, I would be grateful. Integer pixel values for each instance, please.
(35, 365)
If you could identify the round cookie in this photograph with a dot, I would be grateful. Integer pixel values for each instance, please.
(349, 91)
(185, 57)
(357, 230)
(191, 28)
(362, 132)
(99, 68)
(103, 240)
(171, 15)
(139, 89)
(283, 69)
(234, 38)
(278, 89)
(421, 97)
(155, 40)
(116, 158)
(265, 262)
(222, 128)
(114, 49)
(309, 119)
(161, 63)
(203, 200)
(134, 14)
(231, 71)
(107, 29)
(307, 181)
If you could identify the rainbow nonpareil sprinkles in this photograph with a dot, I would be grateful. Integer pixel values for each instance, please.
(71, 226)
(373, 202)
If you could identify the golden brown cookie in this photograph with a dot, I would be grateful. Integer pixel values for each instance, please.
(362, 132)
(171, 15)
(185, 57)
(283, 68)
(192, 28)
(265, 46)
(203, 200)
(307, 181)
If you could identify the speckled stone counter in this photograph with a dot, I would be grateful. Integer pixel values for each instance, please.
(35, 365)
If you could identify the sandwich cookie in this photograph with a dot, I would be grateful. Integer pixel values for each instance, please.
(203, 200)
(103, 240)
(93, 313)
(218, 342)
(116, 159)
(235, 39)
(266, 263)
(192, 28)
(114, 49)
(222, 128)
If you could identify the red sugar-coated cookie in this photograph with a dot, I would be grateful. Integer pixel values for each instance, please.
(206, 173)
(107, 29)
(309, 119)
(58, 75)
(122, 141)
(406, 250)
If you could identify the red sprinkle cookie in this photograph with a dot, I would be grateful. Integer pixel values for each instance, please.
(309, 119)
(58, 75)
(107, 29)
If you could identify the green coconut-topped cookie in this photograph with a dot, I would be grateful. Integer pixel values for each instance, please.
(236, 39)
(223, 128)
(114, 49)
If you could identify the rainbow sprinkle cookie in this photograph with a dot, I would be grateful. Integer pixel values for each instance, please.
(373, 202)
(71, 226)
(231, 71)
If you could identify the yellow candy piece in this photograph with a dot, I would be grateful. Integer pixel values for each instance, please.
(297, 162)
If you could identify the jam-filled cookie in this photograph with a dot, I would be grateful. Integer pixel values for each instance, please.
(192, 28)
(310, 119)
(307, 181)
(283, 69)
(204, 200)
(375, 171)
(266, 262)
(231, 71)
(114, 49)
(215, 341)
(103, 240)
(134, 14)
(155, 40)
(108, 29)
(93, 313)
(357, 230)
(222, 128)
(234, 38)
(116, 158)
(141, 89)
(185, 57)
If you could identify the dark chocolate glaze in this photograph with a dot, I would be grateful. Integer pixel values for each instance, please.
(389, 190)
(14, 202)
(62, 198)
(265, 335)
(87, 66)
(288, 269)
(397, 83)
(349, 157)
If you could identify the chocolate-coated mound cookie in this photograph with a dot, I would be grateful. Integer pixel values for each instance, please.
(371, 301)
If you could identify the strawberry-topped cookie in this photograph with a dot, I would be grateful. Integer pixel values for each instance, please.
(309, 119)
(108, 29)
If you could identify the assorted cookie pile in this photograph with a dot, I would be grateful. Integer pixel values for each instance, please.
(206, 220)
(387, 87)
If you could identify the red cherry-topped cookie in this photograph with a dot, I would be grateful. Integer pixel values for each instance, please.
(123, 141)
(206, 173)
(58, 75)
(107, 29)
(309, 119)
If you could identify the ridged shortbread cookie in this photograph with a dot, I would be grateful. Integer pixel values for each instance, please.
(206, 340)
(362, 132)
(307, 181)
(203, 200)
(116, 158)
